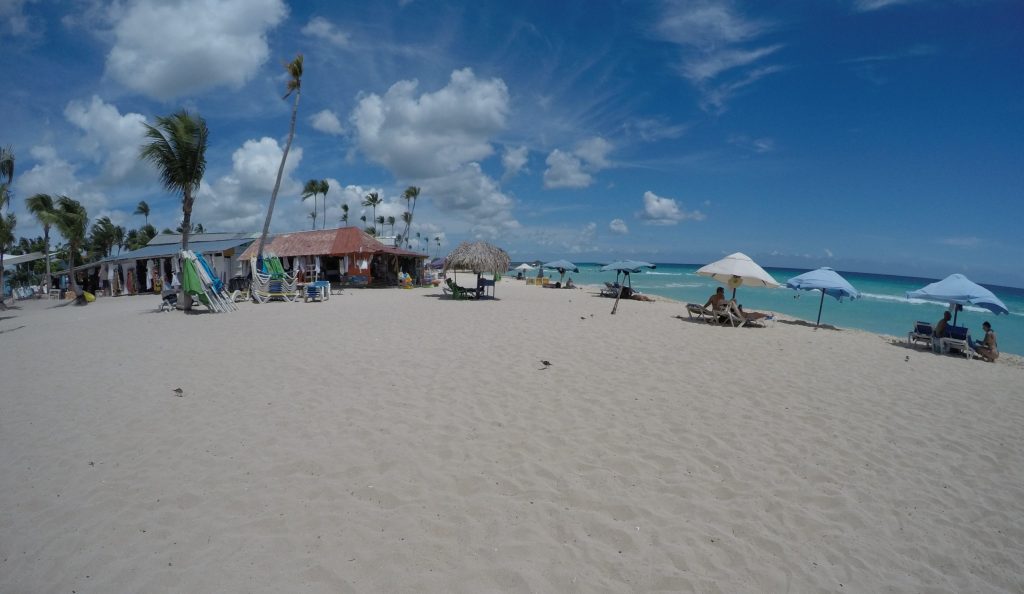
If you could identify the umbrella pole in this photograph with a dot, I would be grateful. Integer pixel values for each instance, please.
(818, 323)
(617, 297)
(956, 310)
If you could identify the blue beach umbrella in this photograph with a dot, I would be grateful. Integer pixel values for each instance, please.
(957, 288)
(561, 266)
(625, 267)
(826, 280)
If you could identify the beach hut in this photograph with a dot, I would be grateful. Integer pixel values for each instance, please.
(478, 257)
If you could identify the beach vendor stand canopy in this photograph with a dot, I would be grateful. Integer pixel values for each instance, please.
(738, 270)
(826, 280)
(960, 290)
(479, 257)
(625, 267)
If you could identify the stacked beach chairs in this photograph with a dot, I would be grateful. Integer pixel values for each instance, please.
(200, 281)
(272, 282)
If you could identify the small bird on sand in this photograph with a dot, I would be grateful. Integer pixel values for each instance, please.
(546, 364)
(179, 392)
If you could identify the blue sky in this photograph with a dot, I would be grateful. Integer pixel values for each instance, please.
(869, 135)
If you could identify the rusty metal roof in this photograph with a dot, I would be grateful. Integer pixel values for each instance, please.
(324, 242)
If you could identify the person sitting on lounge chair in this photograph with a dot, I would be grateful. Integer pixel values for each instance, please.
(942, 325)
(987, 348)
(569, 284)
(716, 301)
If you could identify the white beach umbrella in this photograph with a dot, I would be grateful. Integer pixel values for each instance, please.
(737, 270)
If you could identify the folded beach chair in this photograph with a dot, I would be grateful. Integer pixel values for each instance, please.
(956, 339)
(922, 332)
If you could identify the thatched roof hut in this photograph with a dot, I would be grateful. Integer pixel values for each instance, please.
(478, 256)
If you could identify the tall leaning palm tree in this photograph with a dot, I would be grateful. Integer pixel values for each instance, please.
(44, 210)
(177, 146)
(72, 222)
(344, 213)
(294, 69)
(142, 209)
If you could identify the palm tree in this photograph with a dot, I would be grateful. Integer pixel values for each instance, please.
(72, 220)
(324, 188)
(294, 69)
(344, 213)
(7, 223)
(311, 189)
(312, 215)
(380, 221)
(371, 230)
(391, 221)
(142, 209)
(363, 219)
(372, 199)
(102, 236)
(177, 146)
(42, 207)
(199, 228)
(407, 219)
(410, 194)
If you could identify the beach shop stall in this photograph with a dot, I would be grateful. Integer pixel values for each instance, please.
(344, 256)
(156, 265)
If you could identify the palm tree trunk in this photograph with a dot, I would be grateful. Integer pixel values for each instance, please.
(277, 183)
(3, 297)
(186, 225)
(46, 246)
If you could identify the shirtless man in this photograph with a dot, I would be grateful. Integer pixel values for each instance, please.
(716, 300)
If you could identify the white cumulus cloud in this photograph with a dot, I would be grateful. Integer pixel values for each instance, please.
(565, 171)
(239, 199)
(322, 28)
(109, 137)
(574, 169)
(166, 49)
(665, 211)
(514, 160)
(618, 226)
(436, 140)
(326, 121)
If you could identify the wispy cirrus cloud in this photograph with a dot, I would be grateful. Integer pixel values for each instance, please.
(720, 48)
(962, 242)
(870, 5)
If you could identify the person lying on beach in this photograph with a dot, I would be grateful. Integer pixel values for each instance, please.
(942, 325)
(750, 315)
(987, 348)
(716, 300)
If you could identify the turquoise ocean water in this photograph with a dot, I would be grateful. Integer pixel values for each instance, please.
(883, 308)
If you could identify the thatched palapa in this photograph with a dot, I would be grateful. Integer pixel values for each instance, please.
(478, 256)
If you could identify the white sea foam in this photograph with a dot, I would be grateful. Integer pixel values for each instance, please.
(663, 273)
(684, 285)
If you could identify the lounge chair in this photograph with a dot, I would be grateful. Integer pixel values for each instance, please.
(460, 292)
(318, 291)
(726, 315)
(922, 332)
(611, 289)
(701, 313)
(956, 339)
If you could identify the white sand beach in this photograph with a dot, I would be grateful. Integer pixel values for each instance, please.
(396, 441)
